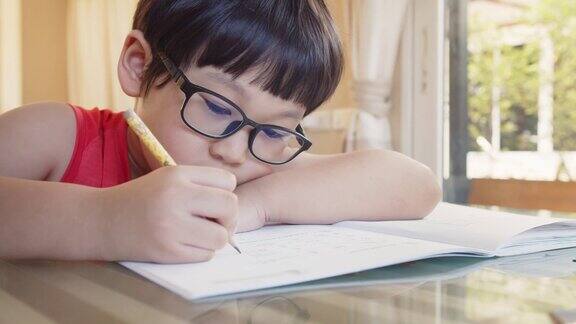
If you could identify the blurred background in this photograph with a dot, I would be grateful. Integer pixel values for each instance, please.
(67, 50)
(481, 91)
(511, 106)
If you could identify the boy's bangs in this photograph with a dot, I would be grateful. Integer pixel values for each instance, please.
(293, 71)
(294, 55)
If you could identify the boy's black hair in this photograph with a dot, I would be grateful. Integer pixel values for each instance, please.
(291, 44)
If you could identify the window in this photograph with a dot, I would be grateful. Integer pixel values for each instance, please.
(511, 102)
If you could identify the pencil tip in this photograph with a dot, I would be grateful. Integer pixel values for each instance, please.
(237, 249)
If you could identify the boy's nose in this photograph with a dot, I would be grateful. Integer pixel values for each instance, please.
(231, 150)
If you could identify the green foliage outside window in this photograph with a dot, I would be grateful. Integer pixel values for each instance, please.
(518, 77)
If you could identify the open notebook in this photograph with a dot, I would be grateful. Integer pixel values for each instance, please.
(549, 264)
(287, 254)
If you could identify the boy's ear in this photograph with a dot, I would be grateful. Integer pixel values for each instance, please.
(134, 60)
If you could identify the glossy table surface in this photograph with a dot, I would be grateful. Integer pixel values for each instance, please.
(522, 289)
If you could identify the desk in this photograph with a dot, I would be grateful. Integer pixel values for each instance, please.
(449, 290)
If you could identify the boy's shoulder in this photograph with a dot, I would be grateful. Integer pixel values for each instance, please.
(40, 113)
(37, 140)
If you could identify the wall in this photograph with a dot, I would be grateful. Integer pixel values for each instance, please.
(44, 72)
(44, 52)
(343, 96)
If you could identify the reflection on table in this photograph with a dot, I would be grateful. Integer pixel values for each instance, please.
(521, 289)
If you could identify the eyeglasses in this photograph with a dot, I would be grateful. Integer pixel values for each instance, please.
(214, 116)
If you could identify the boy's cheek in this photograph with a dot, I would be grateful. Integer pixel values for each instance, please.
(189, 148)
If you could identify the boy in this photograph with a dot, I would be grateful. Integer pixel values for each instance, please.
(223, 84)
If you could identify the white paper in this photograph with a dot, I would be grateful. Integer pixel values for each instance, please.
(469, 227)
(288, 254)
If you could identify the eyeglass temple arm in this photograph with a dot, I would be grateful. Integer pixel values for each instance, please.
(174, 71)
(300, 130)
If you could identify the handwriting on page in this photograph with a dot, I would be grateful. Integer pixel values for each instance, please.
(286, 254)
(280, 243)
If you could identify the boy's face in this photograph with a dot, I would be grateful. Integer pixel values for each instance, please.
(160, 110)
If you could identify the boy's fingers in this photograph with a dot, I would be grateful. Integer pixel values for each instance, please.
(215, 204)
(195, 254)
(207, 234)
(183, 253)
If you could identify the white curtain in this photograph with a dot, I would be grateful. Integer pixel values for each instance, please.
(376, 26)
(375, 30)
(10, 54)
(96, 32)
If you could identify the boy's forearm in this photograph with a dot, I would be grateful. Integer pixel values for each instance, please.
(368, 185)
(48, 220)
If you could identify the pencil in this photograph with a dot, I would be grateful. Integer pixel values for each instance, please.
(154, 146)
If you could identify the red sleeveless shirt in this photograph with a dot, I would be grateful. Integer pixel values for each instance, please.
(100, 157)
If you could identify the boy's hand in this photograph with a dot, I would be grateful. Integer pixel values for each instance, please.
(251, 215)
(172, 215)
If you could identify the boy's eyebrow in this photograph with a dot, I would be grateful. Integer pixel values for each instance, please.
(291, 114)
(233, 84)
(226, 80)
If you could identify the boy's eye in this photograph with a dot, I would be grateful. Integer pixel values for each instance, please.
(272, 133)
(218, 109)
(231, 127)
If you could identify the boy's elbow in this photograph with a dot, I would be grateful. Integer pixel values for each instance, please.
(418, 189)
(428, 196)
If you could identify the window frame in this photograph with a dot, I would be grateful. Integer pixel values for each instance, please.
(421, 84)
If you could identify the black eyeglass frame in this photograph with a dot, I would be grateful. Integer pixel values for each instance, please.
(190, 89)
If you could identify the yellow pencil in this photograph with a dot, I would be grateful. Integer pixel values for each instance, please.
(154, 146)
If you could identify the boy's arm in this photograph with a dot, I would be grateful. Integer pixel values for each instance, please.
(364, 185)
(152, 218)
(51, 220)
(36, 141)
(38, 218)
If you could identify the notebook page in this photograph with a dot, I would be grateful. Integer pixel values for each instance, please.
(459, 225)
(413, 274)
(288, 254)
(557, 263)
(552, 236)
